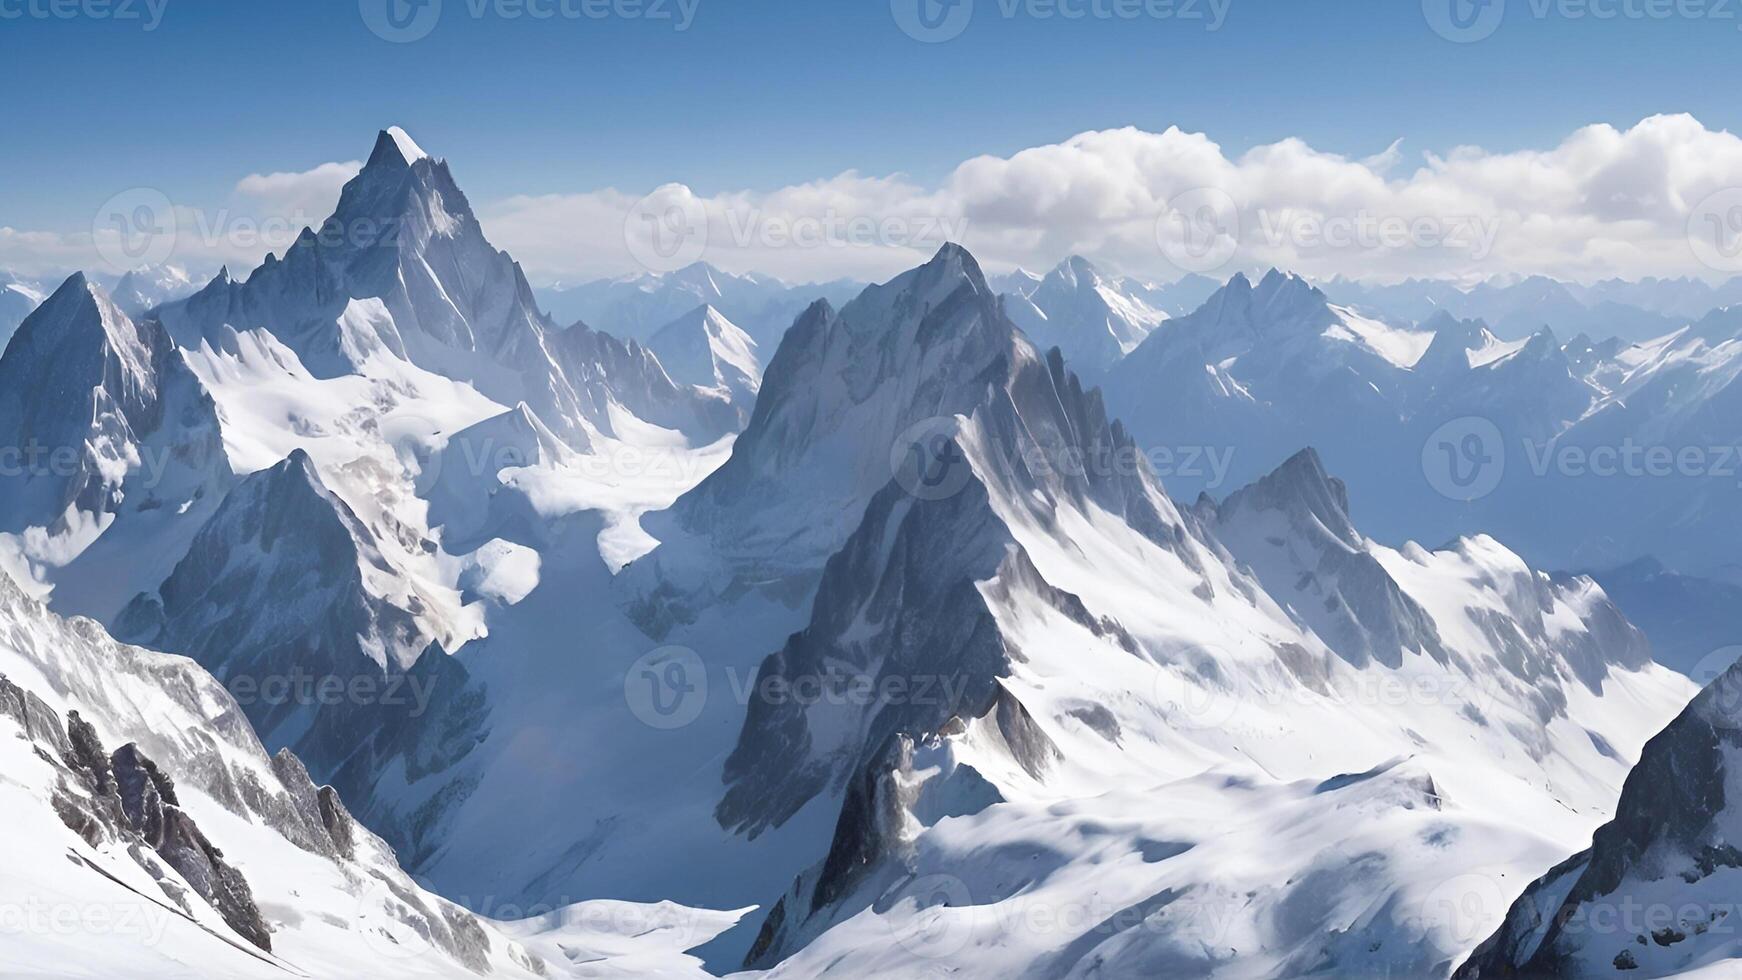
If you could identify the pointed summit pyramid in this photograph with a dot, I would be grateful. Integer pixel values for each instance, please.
(402, 271)
(1094, 319)
(395, 145)
(94, 400)
(852, 396)
(705, 349)
(844, 386)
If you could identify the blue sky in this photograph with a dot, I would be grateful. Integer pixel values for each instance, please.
(758, 94)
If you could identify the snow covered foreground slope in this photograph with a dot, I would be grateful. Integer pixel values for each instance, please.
(1655, 894)
(149, 834)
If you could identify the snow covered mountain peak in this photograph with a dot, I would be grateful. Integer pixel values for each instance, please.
(81, 315)
(1302, 487)
(1094, 318)
(1278, 298)
(402, 274)
(700, 275)
(836, 399)
(1077, 270)
(123, 427)
(142, 289)
(395, 144)
(1455, 343)
(705, 349)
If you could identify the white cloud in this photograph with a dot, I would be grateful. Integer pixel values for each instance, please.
(1603, 202)
(264, 213)
(312, 192)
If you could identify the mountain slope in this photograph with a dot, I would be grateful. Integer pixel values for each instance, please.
(705, 349)
(639, 306)
(18, 298)
(402, 271)
(247, 866)
(1048, 701)
(138, 291)
(118, 442)
(287, 597)
(1007, 592)
(993, 650)
(1094, 319)
(1654, 894)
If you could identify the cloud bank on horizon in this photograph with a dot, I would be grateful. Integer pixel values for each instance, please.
(1661, 198)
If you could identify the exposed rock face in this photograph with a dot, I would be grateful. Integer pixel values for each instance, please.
(144, 789)
(148, 799)
(931, 625)
(1666, 866)
(850, 394)
(38, 720)
(128, 797)
(189, 750)
(284, 596)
